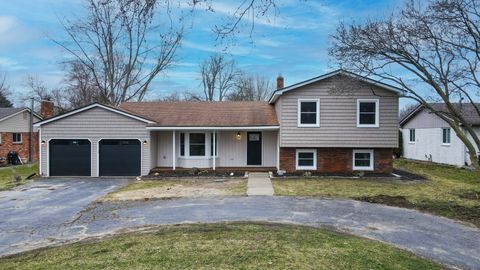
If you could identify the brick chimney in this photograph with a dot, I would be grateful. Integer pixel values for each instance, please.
(279, 81)
(46, 109)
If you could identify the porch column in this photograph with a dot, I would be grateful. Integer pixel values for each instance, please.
(214, 149)
(278, 150)
(173, 150)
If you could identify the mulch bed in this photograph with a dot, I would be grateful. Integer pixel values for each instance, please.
(193, 173)
(404, 175)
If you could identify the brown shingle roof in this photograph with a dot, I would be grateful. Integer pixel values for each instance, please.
(209, 114)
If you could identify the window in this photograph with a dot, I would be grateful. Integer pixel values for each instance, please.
(197, 144)
(306, 159)
(446, 135)
(211, 144)
(308, 113)
(363, 160)
(17, 137)
(412, 135)
(182, 144)
(367, 113)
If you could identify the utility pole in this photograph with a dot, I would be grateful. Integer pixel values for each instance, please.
(30, 143)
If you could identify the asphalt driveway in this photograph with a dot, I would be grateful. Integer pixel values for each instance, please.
(43, 217)
(36, 211)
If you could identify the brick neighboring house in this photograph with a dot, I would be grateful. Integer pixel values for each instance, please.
(339, 122)
(15, 130)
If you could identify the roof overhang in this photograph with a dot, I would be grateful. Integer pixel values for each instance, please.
(19, 112)
(216, 128)
(410, 115)
(91, 106)
(379, 84)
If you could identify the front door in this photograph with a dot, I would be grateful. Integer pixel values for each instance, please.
(254, 148)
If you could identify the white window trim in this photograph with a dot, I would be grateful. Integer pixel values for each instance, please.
(187, 155)
(450, 137)
(377, 113)
(21, 138)
(410, 135)
(314, 167)
(299, 102)
(372, 160)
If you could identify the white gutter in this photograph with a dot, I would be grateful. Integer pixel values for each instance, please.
(217, 128)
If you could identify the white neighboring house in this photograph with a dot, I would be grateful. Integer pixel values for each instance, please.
(427, 137)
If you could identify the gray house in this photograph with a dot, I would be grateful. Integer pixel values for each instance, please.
(337, 122)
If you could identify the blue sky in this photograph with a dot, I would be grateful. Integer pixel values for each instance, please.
(294, 42)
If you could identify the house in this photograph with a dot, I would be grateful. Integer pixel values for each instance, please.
(428, 137)
(15, 132)
(337, 122)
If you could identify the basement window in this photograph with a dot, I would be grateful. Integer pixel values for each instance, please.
(306, 159)
(17, 137)
(363, 160)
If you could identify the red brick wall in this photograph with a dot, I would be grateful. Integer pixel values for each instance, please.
(337, 160)
(21, 148)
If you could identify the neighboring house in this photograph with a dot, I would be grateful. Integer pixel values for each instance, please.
(15, 132)
(428, 137)
(339, 122)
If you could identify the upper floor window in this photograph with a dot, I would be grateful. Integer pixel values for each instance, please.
(367, 113)
(446, 135)
(17, 137)
(412, 135)
(308, 112)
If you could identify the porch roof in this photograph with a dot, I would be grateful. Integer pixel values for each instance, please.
(206, 115)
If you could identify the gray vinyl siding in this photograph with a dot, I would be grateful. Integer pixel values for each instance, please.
(424, 119)
(338, 116)
(17, 123)
(96, 124)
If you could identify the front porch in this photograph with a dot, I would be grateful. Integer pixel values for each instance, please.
(239, 149)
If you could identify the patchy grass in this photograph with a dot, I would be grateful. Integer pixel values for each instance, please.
(175, 188)
(224, 246)
(7, 175)
(449, 191)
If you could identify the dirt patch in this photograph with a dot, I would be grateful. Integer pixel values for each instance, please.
(168, 189)
(469, 195)
(399, 201)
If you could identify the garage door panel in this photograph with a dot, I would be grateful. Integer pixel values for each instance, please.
(119, 157)
(69, 157)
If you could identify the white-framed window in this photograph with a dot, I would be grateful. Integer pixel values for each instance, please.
(197, 144)
(412, 135)
(182, 144)
(306, 159)
(368, 113)
(17, 137)
(308, 112)
(362, 160)
(446, 135)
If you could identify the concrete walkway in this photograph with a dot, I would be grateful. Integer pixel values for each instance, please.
(259, 184)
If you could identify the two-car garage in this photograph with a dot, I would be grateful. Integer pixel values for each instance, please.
(73, 157)
(96, 140)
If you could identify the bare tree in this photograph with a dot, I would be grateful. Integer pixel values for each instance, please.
(432, 50)
(407, 110)
(218, 76)
(251, 88)
(80, 87)
(122, 47)
(39, 91)
(4, 92)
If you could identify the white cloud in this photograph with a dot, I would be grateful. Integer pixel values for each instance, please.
(6, 23)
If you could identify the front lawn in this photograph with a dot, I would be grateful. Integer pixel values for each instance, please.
(224, 246)
(449, 191)
(176, 188)
(7, 175)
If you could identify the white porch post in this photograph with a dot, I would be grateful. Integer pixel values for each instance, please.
(173, 150)
(214, 149)
(278, 150)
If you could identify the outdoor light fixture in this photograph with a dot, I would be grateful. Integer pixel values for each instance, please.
(144, 142)
(43, 142)
(239, 136)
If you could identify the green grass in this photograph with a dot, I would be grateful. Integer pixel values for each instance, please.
(224, 246)
(449, 191)
(7, 175)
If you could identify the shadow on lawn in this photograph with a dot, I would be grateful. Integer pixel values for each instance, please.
(446, 209)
